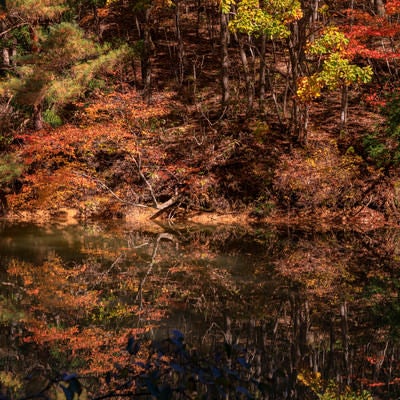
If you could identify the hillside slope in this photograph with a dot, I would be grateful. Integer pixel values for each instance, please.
(123, 158)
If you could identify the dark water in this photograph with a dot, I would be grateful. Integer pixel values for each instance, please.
(308, 309)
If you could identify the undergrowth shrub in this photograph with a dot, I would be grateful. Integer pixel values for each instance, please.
(52, 118)
(320, 178)
(10, 169)
(382, 146)
(10, 121)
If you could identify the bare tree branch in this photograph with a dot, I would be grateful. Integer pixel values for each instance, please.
(160, 207)
(12, 28)
(138, 164)
(104, 186)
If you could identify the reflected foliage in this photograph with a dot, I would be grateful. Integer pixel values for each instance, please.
(263, 313)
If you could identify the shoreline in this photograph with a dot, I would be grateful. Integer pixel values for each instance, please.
(358, 220)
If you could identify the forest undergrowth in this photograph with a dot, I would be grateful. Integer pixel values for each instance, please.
(120, 156)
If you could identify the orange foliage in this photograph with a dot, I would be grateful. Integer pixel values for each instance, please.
(57, 163)
(52, 287)
(62, 164)
(128, 108)
(371, 36)
(392, 7)
(41, 334)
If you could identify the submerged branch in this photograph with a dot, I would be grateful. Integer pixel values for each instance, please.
(166, 236)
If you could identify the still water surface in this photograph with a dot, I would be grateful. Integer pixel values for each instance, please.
(300, 302)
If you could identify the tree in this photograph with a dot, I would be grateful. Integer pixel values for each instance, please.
(28, 14)
(373, 38)
(60, 72)
(335, 70)
(224, 38)
(253, 19)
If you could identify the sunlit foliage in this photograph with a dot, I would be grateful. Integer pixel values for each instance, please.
(336, 70)
(63, 69)
(270, 17)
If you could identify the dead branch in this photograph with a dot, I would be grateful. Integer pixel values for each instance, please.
(104, 186)
(138, 164)
(160, 207)
(12, 28)
(165, 206)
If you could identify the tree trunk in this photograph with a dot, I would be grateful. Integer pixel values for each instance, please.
(14, 55)
(296, 121)
(344, 108)
(297, 42)
(303, 115)
(262, 82)
(224, 61)
(146, 57)
(96, 21)
(313, 19)
(380, 8)
(6, 57)
(38, 116)
(247, 75)
(181, 53)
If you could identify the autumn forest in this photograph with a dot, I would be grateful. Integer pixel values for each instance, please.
(126, 125)
(275, 109)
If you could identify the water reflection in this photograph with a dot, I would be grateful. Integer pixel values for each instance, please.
(300, 302)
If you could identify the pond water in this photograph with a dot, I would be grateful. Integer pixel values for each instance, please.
(299, 313)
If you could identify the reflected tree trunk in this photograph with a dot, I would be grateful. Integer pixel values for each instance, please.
(160, 236)
(345, 340)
